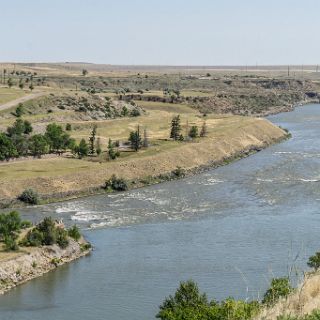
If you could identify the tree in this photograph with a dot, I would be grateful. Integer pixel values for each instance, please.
(92, 140)
(7, 148)
(10, 82)
(280, 287)
(82, 149)
(84, 72)
(135, 139)
(204, 131)
(98, 147)
(57, 139)
(314, 261)
(38, 145)
(19, 128)
(10, 224)
(20, 110)
(31, 87)
(193, 133)
(175, 128)
(112, 154)
(68, 127)
(21, 85)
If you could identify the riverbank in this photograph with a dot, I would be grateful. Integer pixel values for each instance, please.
(59, 179)
(31, 262)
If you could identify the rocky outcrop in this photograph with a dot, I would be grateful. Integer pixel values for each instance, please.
(34, 262)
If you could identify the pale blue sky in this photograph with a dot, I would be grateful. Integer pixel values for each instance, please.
(163, 32)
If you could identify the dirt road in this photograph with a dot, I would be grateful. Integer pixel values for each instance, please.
(15, 102)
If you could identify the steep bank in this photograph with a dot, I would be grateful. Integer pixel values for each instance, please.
(236, 139)
(17, 268)
(302, 301)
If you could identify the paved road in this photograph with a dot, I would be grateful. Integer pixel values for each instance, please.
(15, 102)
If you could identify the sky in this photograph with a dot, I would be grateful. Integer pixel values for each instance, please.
(161, 32)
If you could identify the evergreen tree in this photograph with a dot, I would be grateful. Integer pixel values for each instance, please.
(38, 145)
(98, 147)
(175, 128)
(112, 153)
(193, 133)
(82, 149)
(135, 139)
(92, 140)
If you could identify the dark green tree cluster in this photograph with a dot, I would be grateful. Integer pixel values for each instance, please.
(47, 233)
(18, 141)
(135, 139)
(10, 227)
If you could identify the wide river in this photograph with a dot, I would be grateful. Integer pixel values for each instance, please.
(231, 229)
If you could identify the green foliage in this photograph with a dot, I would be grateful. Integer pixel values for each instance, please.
(92, 140)
(46, 233)
(82, 150)
(279, 288)
(10, 82)
(7, 148)
(58, 140)
(10, 243)
(193, 133)
(29, 196)
(10, 224)
(314, 261)
(19, 110)
(189, 304)
(315, 315)
(135, 139)
(74, 233)
(38, 145)
(19, 128)
(112, 153)
(175, 128)
(117, 184)
(68, 127)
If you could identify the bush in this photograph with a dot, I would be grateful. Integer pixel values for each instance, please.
(189, 304)
(117, 184)
(34, 238)
(279, 288)
(29, 196)
(314, 261)
(74, 233)
(178, 172)
(10, 243)
(62, 238)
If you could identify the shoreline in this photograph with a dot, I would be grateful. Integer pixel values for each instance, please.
(35, 263)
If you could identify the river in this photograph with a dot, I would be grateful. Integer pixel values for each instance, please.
(231, 229)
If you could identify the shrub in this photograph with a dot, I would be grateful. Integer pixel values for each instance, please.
(68, 127)
(74, 233)
(29, 196)
(178, 172)
(62, 238)
(10, 243)
(117, 184)
(280, 287)
(314, 261)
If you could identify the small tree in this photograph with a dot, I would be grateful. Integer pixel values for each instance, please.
(280, 287)
(175, 128)
(20, 110)
(38, 145)
(74, 233)
(135, 139)
(204, 131)
(84, 72)
(193, 133)
(92, 140)
(314, 261)
(10, 82)
(112, 153)
(98, 147)
(68, 127)
(82, 149)
(21, 85)
(31, 87)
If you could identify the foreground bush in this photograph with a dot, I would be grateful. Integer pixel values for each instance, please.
(189, 304)
(280, 288)
(29, 196)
